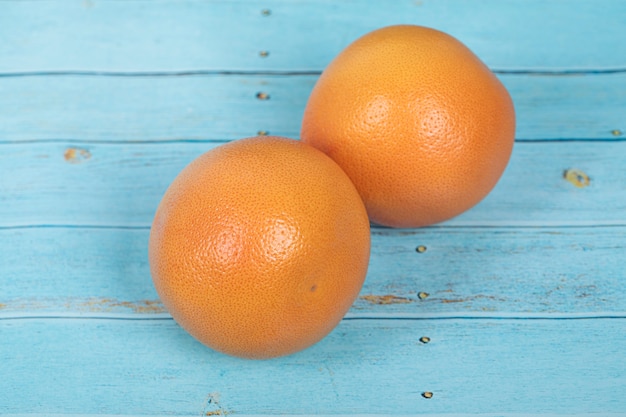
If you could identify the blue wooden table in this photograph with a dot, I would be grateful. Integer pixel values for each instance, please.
(515, 308)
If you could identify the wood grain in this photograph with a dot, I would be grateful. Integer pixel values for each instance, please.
(471, 272)
(194, 35)
(111, 184)
(513, 309)
(209, 107)
(152, 367)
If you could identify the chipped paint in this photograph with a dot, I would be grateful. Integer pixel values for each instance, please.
(455, 300)
(109, 304)
(76, 155)
(89, 305)
(385, 299)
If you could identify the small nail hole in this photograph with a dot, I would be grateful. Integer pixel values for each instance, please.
(262, 96)
(616, 132)
(427, 394)
(266, 12)
(422, 295)
(262, 133)
(264, 54)
(420, 249)
(424, 339)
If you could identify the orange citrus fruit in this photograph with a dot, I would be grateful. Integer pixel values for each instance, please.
(418, 122)
(260, 246)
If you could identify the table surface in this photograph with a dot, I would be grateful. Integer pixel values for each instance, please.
(514, 308)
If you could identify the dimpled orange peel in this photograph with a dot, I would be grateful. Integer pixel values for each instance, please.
(259, 247)
(418, 122)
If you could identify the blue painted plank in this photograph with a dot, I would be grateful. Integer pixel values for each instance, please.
(472, 272)
(201, 107)
(106, 184)
(150, 108)
(130, 36)
(152, 367)
(535, 271)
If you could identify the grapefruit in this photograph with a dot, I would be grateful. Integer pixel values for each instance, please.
(418, 122)
(259, 247)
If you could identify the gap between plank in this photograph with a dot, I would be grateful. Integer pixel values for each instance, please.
(219, 141)
(74, 226)
(348, 317)
(280, 73)
(375, 229)
(122, 142)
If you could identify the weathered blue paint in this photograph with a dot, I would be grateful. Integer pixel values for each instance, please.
(104, 366)
(98, 184)
(66, 270)
(195, 35)
(521, 298)
(219, 107)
